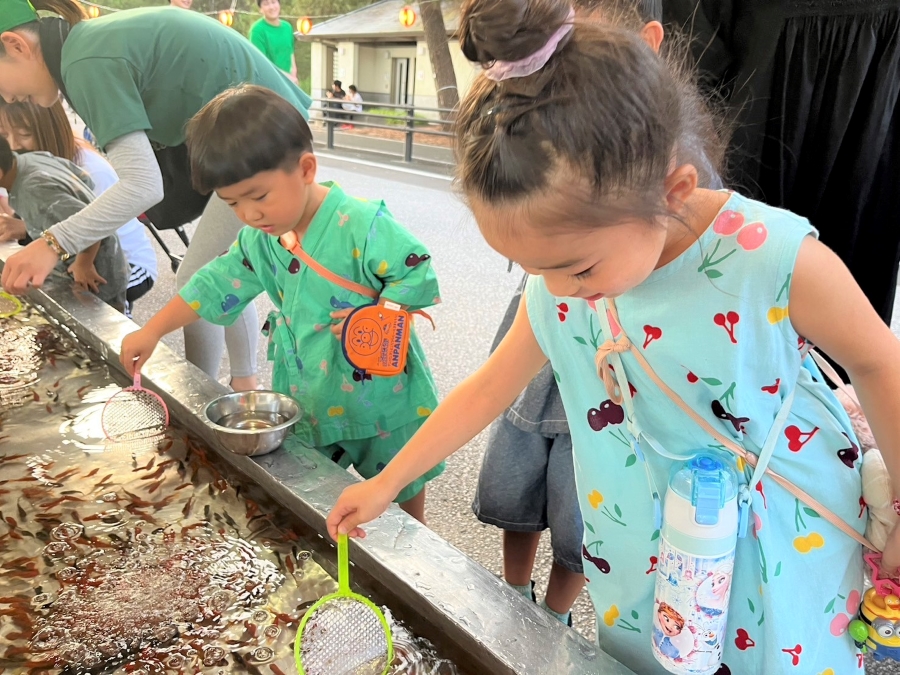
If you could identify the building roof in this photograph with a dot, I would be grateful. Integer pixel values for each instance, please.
(380, 21)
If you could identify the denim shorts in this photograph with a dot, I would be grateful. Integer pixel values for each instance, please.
(527, 484)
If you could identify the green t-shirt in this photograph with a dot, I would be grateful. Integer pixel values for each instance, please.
(276, 42)
(152, 69)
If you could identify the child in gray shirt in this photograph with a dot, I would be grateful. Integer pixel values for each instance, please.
(45, 190)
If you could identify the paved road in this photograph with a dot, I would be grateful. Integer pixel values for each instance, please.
(476, 289)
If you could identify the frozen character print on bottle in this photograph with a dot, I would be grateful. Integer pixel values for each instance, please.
(669, 635)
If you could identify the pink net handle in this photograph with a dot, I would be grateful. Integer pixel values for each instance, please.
(883, 586)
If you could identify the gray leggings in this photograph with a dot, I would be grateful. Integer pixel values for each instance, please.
(203, 341)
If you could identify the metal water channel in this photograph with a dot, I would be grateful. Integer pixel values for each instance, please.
(471, 617)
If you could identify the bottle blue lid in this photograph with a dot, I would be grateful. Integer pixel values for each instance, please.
(709, 483)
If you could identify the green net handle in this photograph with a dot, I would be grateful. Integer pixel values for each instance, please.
(343, 565)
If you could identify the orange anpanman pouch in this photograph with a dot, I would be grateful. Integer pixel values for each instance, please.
(376, 339)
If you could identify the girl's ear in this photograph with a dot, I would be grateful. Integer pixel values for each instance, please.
(680, 185)
(308, 165)
(653, 33)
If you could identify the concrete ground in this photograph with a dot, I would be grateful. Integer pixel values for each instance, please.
(476, 289)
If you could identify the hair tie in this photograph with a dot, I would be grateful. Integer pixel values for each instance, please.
(507, 70)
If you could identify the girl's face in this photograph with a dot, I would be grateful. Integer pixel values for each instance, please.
(20, 140)
(23, 74)
(668, 624)
(582, 262)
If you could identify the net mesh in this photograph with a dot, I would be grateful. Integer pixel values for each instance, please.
(344, 637)
(9, 306)
(134, 415)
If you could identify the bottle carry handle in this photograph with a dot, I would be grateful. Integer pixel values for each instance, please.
(617, 345)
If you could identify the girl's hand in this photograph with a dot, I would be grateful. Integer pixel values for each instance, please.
(85, 276)
(358, 504)
(137, 347)
(11, 229)
(340, 316)
(890, 557)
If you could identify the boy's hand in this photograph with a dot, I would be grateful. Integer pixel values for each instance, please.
(340, 316)
(85, 276)
(137, 347)
(358, 504)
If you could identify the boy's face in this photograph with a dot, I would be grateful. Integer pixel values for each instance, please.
(274, 201)
(271, 9)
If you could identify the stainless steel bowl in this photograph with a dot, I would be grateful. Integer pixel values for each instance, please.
(252, 422)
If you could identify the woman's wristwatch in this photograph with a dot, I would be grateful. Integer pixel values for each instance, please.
(49, 237)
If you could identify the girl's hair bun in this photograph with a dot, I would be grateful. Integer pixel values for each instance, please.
(508, 30)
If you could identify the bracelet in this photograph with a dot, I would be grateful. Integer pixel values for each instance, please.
(49, 237)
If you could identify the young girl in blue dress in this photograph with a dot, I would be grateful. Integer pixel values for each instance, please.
(568, 147)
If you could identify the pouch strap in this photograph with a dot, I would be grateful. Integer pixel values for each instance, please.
(748, 457)
(292, 244)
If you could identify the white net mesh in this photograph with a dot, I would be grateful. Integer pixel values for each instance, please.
(134, 415)
(344, 637)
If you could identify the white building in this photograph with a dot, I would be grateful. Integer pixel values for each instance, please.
(387, 62)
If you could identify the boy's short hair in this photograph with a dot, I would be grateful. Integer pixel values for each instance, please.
(7, 159)
(352, 87)
(337, 83)
(242, 132)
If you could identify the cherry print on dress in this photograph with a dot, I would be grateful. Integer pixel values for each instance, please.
(743, 641)
(720, 412)
(794, 654)
(608, 413)
(797, 439)
(652, 333)
(772, 388)
(849, 455)
(728, 321)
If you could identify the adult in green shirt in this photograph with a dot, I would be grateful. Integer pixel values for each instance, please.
(136, 77)
(274, 37)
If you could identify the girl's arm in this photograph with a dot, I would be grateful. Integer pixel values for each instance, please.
(828, 308)
(137, 347)
(469, 408)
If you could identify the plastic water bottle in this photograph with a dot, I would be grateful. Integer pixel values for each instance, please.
(695, 566)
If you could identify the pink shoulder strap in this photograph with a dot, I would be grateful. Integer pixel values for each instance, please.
(622, 344)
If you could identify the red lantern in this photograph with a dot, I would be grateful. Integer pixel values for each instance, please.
(304, 25)
(407, 17)
(226, 18)
(93, 11)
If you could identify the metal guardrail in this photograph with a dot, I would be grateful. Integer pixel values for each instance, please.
(334, 115)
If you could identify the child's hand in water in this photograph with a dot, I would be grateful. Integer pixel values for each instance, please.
(85, 276)
(137, 347)
(340, 316)
(358, 504)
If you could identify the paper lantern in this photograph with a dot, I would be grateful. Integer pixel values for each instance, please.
(93, 11)
(407, 17)
(304, 25)
(226, 18)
